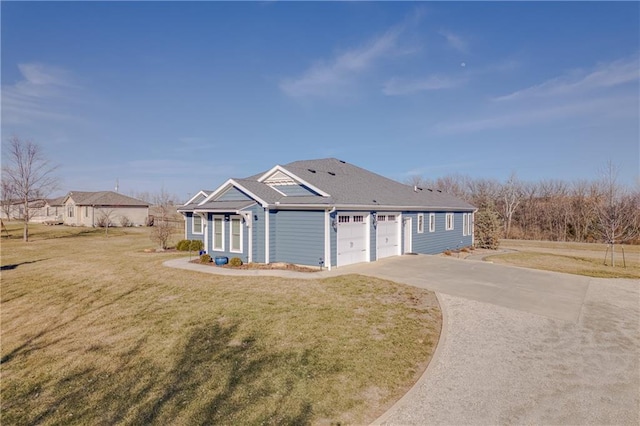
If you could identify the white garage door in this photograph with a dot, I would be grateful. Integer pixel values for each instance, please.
(387, 239)
(352, 239)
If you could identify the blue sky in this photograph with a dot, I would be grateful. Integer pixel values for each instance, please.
(186, 95)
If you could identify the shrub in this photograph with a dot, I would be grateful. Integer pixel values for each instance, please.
(447, 252)
(125, 222)
(235, 261)
(195, 245)
(487, 226)
(183, 245)
(205, 258)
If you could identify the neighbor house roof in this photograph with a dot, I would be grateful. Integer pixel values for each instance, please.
(103, 198)
(343, 185)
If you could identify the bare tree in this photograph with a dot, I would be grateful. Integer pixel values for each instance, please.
(30, 174)
(106, 218)
(511, 194)
(163, 225)
(8, 197)
(618, 211)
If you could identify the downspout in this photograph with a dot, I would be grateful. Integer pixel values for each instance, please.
(327, 237)
(266, 235)
(247, 220)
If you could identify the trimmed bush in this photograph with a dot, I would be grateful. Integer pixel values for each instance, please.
(196, 245)
(205, 258)
(235, 261)
(125, 222)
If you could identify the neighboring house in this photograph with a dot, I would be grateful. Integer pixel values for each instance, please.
(102, 207)
(325, 212)
(40, 210)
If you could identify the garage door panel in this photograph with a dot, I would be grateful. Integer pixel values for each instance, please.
(388, 235)
(352, 239)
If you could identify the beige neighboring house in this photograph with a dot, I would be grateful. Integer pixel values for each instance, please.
(40, 210)
(99, 208)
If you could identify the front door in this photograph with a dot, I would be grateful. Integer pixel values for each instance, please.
(407, 235)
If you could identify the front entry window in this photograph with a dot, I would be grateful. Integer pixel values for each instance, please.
(236, 235)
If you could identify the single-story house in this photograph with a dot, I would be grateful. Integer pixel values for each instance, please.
(40, 209)
(104, 207)
(325, 212)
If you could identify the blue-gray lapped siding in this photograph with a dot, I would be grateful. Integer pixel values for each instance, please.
(441, 239)
(333, 239)
(299, 237)
(295, 190)
(189, 235)
(233, 194)
(258, 232)
(226, 236)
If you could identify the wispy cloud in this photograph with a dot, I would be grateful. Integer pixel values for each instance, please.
(601, 107)
(604, 75)
(326, 79)
(398, 86)
(455, 41)
(38, 95)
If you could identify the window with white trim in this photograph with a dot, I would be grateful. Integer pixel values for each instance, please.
(470, 224)
(196, 224)
(358, 219)
(235, 235)
(420, 223)
(218, 233)
(449, 222)
(465, 225)
(86, 211)
(344, 219)
(432, 222)
(70, 209)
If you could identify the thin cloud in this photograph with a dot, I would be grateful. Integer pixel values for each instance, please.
(397, 86)
(455, 41)
(327, 79)
(39, 95)
(603, 76)
(609, 107)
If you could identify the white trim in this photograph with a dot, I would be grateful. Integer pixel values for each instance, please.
(420, 224)
(193, 223)
(213, 232)
(446, 221)
(231, 219)
(278, 168)
(248, 221)
(266, 235)
(194, 197)
(464, 224)
(229, 184)
(432, 221)
(327, 239)
(408, 222)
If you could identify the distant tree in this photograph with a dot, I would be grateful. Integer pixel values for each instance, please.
(618, 210)
(487, 227)
(163, 225)
(8, 197)
(29, 173)
(106, 218)
(511, 194)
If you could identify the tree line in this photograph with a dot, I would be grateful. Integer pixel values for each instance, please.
(598, 210)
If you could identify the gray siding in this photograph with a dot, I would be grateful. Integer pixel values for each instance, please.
(258, 233)
(441, 239)
(190, 235)
(333, 240)
(294, 190)
(273, 226)
(233, 194)
(299, 237)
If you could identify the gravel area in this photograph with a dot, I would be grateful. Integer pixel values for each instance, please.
(503, 366)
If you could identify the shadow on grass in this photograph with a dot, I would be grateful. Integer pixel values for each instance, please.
(15, 265)
(214, 379)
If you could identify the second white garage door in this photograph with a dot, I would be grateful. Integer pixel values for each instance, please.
(352, 239)
(388, 236)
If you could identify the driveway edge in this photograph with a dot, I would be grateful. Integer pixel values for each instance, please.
(423, 378)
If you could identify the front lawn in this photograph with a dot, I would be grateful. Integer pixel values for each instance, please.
(95, 331)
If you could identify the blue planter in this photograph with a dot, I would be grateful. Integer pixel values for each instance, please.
(221, 260)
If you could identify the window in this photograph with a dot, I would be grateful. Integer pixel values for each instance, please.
(236, 235)
(70, 210)
(470, 224)
(391, 218)
(358, 219)
(196, 224)
(420, 223)
(382, 218)
(86, 211)
(218, 232)
(344, 219)
(432, 222)
(449, 221)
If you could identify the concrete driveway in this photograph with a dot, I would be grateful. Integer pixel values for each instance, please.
(519, 346)
(522, 346)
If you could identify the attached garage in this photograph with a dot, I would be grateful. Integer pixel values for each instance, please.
(388, 235)
(352, 238)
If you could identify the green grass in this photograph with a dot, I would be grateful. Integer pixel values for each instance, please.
(95, 331)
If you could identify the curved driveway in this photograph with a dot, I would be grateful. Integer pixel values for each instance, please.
(520, 346)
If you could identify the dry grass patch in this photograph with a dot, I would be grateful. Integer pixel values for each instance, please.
(94, 331)
(571, 257)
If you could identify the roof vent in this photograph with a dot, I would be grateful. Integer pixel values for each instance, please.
(375, 201)
(429, 189)
(438, 190)
(343, 162)
(331, 173)
(311, 170)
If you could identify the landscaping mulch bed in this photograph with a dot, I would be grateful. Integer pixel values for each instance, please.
(276, 265)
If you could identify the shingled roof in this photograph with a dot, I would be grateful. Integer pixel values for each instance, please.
(346, 185)
(104, 198)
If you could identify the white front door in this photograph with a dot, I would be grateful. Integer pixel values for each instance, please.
(388, 241)
(407, 235)
(352, 238)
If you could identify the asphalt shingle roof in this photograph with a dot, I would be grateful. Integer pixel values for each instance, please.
(104, 198)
